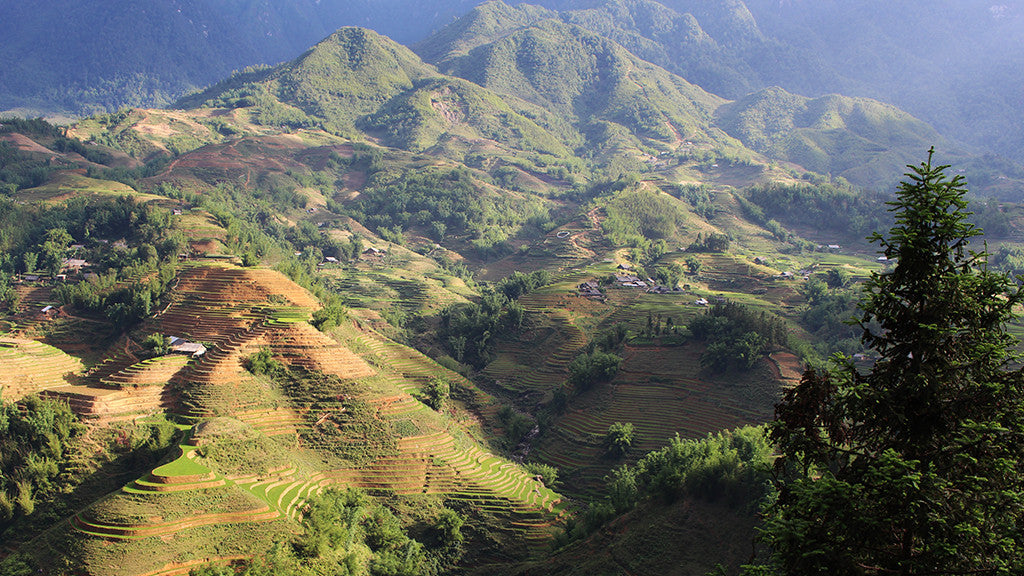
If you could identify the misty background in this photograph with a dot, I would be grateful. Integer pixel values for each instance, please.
(957, 64)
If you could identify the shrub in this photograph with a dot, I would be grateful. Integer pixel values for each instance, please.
(157, 344)
(590, 368)
(436, 393)
(619, 438)
(548, 474)
(262, 362)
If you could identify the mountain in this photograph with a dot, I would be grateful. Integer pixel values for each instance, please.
(549, 59)
(862, 140)
(147, 54)
(952, 63)
(78, 58)
(590, 79)
(92, 56)
(524, 87)
(356, 80)
(344, 77)
(957, 71)
(716, 45)
(549, 93)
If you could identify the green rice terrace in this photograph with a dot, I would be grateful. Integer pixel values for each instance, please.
(334, 411)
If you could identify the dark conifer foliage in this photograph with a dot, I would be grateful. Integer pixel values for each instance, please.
(911, 468)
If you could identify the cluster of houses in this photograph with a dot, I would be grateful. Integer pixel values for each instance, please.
(370, 253)
(592, 289)
(630, 281)
(706, 302)
(633, 281)
(69, 266)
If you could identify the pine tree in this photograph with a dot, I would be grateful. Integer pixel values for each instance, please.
(914, 467)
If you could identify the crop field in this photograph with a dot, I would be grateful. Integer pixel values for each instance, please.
(30, 366)
(226, 479)
(153, 371)
(167, 546)
(397, 288)
(662, 392)
(70, 185)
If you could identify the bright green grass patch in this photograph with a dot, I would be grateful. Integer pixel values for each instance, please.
(183, 466)
(288, 316)
(67, 186)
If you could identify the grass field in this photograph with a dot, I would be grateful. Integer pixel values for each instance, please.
(70, 185)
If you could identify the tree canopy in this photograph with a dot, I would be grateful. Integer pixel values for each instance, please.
(911, 468)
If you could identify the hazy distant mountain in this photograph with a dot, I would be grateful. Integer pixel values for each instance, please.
(862, 140)
(956, 64)
(89, 55)
(530, 80)
(546, 58)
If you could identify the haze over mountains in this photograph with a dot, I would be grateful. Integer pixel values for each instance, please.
(955, 64)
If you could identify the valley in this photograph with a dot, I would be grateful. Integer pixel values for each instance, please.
(458, 308)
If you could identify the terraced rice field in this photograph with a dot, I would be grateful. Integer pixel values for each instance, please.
(300, 344)
(229, 309)
(109, 404)
(153, 371)
(557, 339)
(237, 311)
(30, 366)
(439, 463)
(176, 496)
(662, 392)
(433, 456)
(413, 367)
(380, 291)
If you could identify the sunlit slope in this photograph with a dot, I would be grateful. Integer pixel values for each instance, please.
(343, 412)
(859, 139)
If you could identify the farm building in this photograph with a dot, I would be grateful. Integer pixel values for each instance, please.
(183, 346)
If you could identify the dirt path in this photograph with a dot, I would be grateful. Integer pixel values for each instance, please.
(677, 138)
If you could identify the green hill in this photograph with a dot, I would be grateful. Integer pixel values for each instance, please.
(485, 23)
(617, 101)
(452, 108)
(357, 81)
(349, 74)
(586, 65)
(862, 140)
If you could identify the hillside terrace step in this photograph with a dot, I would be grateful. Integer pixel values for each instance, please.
(121, 532)
(186, 568)
(143, 486)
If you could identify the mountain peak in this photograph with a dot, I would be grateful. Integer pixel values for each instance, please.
(486, 22)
